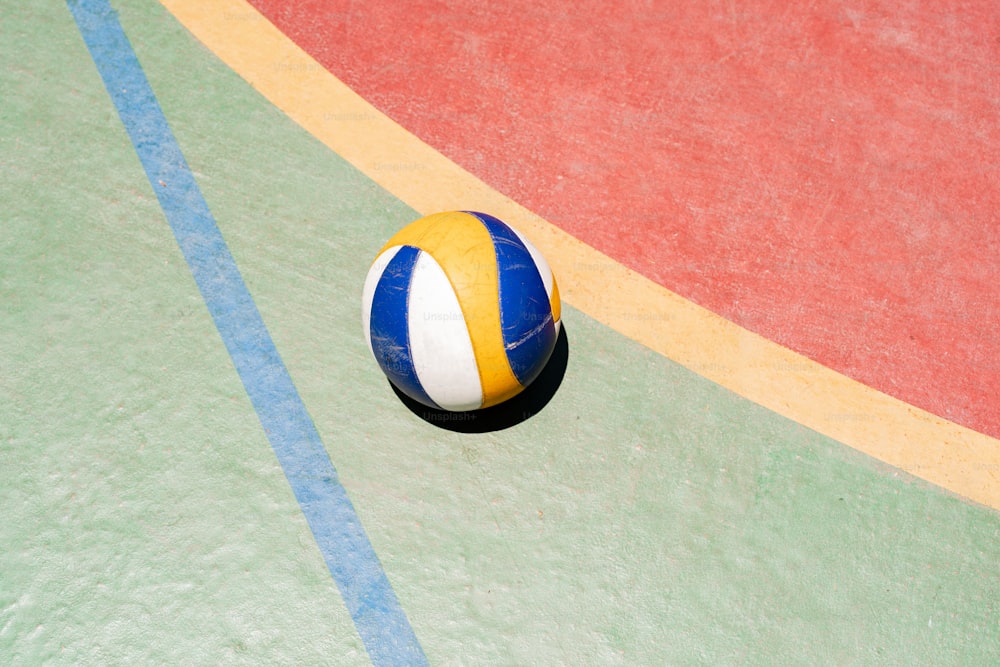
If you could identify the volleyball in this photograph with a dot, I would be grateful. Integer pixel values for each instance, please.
(460, 311)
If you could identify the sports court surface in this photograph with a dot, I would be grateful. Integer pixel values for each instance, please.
(768, 436)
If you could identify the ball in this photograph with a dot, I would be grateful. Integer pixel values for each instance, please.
(460, 311)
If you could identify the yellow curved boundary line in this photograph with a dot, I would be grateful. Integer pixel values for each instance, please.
(941, 452)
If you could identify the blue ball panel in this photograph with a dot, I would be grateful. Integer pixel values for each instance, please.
(529, 333)
(389, 330)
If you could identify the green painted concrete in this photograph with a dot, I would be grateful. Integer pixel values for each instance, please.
(643, 517)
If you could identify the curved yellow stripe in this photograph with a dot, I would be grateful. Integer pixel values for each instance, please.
(463, 248)
(555, 302)
(939, 451)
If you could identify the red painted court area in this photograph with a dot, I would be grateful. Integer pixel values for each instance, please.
(823, 175)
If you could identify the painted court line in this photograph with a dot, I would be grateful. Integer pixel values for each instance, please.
(935, 449)
(345, 547)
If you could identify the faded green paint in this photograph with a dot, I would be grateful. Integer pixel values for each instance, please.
(645, 516)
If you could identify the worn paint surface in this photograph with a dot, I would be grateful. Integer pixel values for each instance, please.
(824, 175)
(644, 516)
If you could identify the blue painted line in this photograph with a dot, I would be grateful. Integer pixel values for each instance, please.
(345, 547)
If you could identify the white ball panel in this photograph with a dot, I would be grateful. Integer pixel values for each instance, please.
(440, 345)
